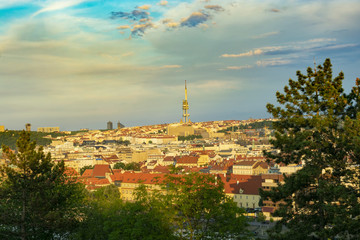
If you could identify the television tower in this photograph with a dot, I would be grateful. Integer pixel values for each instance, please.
(185, 107)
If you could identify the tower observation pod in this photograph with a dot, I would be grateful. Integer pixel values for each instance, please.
(185, 108)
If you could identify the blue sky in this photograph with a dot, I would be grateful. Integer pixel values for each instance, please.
(80, 63)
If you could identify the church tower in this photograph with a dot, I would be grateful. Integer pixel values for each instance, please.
(185, 107)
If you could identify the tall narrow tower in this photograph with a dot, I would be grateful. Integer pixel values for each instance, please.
(185, 107)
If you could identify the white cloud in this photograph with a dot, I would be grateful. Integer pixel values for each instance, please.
(246, 54)
(237, 67)
(170, 66)
(265, 35)
(273, 62)
(58, 5)
(144, 7)
(163, 3)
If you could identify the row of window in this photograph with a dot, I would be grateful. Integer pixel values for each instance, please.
(240, 197)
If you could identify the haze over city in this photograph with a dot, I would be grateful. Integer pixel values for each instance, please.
(78, 64)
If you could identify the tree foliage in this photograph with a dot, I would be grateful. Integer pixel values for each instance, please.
(197, 208)
(319, 126)
(132, 166)
(109, 218)
(128, 166)
(37, 199)
(254, 125)
(189, 137)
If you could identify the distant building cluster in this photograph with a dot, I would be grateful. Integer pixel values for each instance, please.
(228, 150)
(48, 129)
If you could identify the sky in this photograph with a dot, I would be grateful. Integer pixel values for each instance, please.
(81, 63)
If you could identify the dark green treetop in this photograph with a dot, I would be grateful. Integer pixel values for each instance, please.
(37, 199)
(319, 127)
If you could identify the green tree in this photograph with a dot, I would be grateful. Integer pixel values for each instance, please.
(319, 126)
(260, 217)
(109, 218)
(82, 170)
(37, 199)
(198, 208)
(119, 165)
(132, 166)
(189, 137)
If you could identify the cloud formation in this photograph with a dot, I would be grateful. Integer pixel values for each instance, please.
(265, 35)
(273, 62)
(170, 66)
(58, 5)
(214, 7)
(238, 67)
(139, 29)
(74, 54)
(144, 7)
(246, 54)
(163, 3)
(195, 19)
(123, 27)
(133, 15)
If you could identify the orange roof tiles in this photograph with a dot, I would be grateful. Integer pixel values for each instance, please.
(187, 160)
(100, 170)
(145, 178)
(87, 173)
(251, 186)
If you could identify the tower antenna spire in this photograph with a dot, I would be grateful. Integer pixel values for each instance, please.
(185, 107)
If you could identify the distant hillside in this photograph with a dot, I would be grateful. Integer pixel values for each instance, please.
(254, 125)
(9, 138)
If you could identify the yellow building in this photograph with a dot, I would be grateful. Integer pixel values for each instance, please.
(2, 128)
(203, 160)
(244, 190)
(250, 167)
(180, 130)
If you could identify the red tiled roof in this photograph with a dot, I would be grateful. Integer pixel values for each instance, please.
(264, 165)
(161, 169)
(87, 173)
(145, 178)
(245, 163)
(187, 160)
(169, 159)
(268, 209)
(100, 170)
(250, 186)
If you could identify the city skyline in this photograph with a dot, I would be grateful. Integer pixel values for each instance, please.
(80, 63)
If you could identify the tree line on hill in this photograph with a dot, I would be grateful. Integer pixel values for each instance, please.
(254, 125)
(9, 137)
